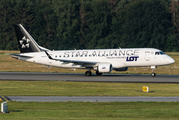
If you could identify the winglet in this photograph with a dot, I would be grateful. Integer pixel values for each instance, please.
(48, 55)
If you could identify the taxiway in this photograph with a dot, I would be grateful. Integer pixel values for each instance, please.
(131, 78)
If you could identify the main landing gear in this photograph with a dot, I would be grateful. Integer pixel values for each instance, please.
(153, 74)
(98, 73)
(88, 73)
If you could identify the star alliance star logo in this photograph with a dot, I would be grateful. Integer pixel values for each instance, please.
(24, 42)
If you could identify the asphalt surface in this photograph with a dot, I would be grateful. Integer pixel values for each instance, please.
(90, 99)
(131, 78)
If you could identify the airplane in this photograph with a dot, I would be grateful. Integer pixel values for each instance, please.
(99, 60)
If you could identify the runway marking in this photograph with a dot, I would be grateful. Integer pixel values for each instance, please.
(4, 98)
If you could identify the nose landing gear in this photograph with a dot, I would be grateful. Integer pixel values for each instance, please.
(153, 74)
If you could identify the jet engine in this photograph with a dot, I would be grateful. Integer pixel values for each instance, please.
(101, 68)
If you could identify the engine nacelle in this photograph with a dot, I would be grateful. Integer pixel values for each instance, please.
(104, 68)
(121, 69)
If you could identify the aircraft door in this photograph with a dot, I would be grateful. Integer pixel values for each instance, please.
(147, 55)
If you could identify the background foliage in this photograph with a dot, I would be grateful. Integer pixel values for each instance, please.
(89, 24)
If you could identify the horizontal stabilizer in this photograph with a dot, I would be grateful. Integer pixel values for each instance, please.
(18, 55)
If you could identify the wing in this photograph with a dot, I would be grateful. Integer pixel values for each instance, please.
(76, 62)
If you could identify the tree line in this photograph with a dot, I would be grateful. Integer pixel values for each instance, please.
(92, 24)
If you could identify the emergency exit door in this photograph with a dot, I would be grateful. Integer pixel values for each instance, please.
(147, 55)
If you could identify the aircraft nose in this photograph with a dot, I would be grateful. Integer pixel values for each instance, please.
(171, 60)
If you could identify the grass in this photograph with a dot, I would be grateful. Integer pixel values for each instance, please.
(7, 63)
(91, 111)
(61, 88)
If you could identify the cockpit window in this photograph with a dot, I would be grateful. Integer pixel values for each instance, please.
(159, 53)
(156, 53)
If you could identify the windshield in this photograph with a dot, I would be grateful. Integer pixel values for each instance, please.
(159, 53)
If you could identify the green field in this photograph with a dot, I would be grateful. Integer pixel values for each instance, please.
(59, 88)
(91, 111)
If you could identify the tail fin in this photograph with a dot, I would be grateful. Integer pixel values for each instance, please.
(25, 41)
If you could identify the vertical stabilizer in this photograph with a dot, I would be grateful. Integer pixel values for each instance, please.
(25, 41)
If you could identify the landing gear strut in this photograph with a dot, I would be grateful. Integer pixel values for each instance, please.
(98, 73)
(88, 73)
(153, 74)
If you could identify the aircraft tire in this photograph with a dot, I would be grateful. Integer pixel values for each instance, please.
(153, 74)
(88, 73)
(98, 73)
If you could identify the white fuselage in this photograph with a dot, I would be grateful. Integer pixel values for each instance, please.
(119, 58)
